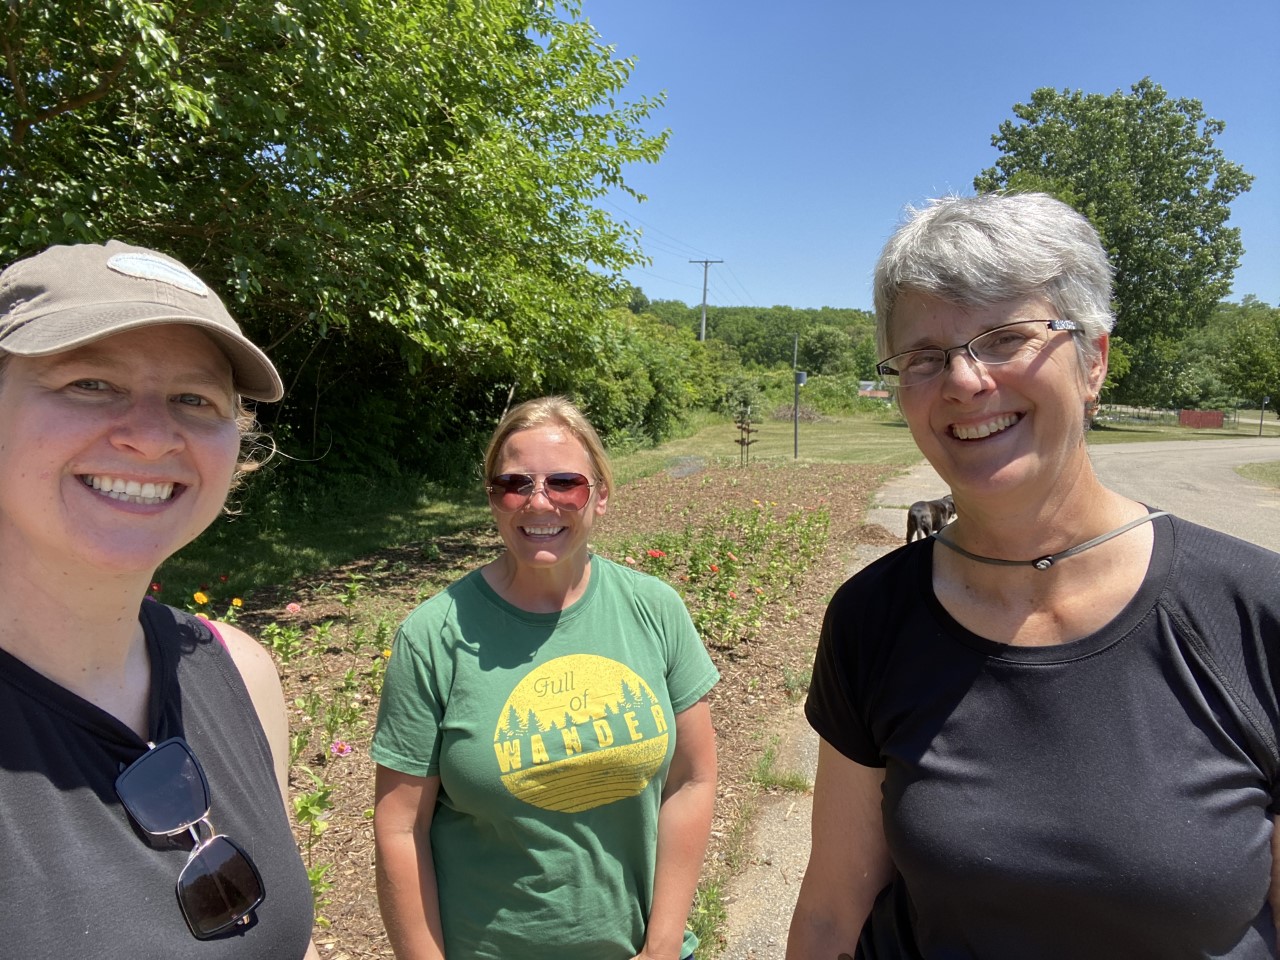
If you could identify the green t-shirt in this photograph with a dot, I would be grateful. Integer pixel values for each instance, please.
(551, 735)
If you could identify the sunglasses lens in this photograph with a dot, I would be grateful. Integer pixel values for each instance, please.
(511, 491)
(218, 887)
(568, 490)
(164, 790)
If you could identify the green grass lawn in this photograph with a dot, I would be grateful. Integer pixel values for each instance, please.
(1265, 473)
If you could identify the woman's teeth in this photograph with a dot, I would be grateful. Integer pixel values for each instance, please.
(130, 491)
(978, 431)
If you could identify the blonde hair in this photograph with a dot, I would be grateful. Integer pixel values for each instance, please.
(550, 410)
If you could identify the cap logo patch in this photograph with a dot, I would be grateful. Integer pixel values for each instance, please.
(145, 266)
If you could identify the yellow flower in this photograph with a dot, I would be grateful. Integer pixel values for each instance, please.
(386, 654)
(200, 597)
(203, 616)
(237, 602)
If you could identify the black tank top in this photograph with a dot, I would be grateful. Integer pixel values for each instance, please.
(76, 878)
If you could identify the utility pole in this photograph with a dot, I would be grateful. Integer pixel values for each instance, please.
(795, 404)
(706, 265)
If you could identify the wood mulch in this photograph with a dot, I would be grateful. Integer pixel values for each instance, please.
(761, 677)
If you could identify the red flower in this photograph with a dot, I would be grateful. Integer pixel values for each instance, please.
(732, 595)
(155, 587)
(714, 568)
(655, 553)
(222, 578)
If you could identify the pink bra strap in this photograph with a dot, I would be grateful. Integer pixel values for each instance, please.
(214, 631)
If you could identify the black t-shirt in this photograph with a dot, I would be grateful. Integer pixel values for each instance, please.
(1105, 798)
(76, 878)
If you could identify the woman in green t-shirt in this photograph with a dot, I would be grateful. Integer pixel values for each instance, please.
(546, 760)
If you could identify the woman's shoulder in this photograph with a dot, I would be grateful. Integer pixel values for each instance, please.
(624, 576)
(886, 576)
(1214, 560)
(442, 606)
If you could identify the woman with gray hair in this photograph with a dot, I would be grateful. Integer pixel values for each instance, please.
(1049, 730)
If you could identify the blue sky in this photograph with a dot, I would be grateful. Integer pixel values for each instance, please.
(799, 132)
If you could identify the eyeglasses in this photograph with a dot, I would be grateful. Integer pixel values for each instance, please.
(1010, 342)
(165, 792)
(509, 492)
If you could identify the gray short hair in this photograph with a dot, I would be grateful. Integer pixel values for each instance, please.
(995, 248)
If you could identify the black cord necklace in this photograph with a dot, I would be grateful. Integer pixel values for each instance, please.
(1044, 563)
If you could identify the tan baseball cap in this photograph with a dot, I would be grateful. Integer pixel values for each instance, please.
(68, 296)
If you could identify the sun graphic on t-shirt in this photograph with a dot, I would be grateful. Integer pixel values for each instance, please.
(579, 732)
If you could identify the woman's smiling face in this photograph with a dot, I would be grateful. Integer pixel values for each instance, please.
(539, 534)
(996, 429)
(118, 453)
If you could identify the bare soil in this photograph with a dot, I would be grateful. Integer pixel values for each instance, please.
(760, 677)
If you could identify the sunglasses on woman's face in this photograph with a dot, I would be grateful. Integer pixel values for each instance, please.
(509, 492)
(165, 792)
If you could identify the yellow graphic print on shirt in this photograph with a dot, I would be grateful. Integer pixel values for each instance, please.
(579, 732)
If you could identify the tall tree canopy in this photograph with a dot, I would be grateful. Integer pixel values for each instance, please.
(396, 198)
(1145, 170)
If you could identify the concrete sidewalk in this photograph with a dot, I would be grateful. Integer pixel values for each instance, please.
(760, 899)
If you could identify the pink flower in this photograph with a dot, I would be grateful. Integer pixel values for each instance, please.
(732, 557)
(293, 609)
(732, 595)
(340, 748)
(629, 560)
(655, 553)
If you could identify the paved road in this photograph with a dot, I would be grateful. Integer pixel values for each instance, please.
(1194, 479)
(1197, 481)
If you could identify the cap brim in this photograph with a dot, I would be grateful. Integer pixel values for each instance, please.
(254, 374)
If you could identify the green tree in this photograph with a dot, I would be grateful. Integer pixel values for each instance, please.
(825, 349)
(1145, 170)
(1235, 358)
(397, 199)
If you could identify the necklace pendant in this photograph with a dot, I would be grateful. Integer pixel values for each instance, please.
(1044, 563)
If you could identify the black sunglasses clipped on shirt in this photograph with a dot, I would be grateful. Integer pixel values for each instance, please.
(166, 792)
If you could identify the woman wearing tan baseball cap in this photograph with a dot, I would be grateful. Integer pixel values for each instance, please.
(144, 765)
